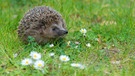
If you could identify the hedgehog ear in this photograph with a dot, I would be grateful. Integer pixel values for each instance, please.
(41, 27)
(42, 24)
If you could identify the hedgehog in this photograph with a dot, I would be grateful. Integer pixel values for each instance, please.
(42, 23)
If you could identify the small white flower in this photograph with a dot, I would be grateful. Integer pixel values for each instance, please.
(15, 55)
(83, 31)
(43, 71)
(7, 72)
(88, 45)
(59, 66)
(68, 43)
(26, 61)
(64, 58)
(78, 65)
(39, 64)
(82, 67)
(51, 54)
(96, 39)
(35, 55)
(75, 65)
(77, 42)
(76, 47)
(51, 45)
(115, 62)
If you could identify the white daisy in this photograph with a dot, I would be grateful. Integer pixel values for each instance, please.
(88, 45)
(96, 39)
(39, 64)
(115, 62)
(26, 61)
(82, 67)
(83, 31)
(78, 65)
(77, 42)
(64, 58)
(68, 43)
(75, 65)
(51, 45)
(15, 55)
(59, 66)
(76, 47)
(51, 54)
(35, 55)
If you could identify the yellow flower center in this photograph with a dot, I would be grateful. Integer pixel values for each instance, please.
(27, 62)
(82, 31)
(76, 65)
(68, 42)
(39, 64)
(63, 58)
(35, 56)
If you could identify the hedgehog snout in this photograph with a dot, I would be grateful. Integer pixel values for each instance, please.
(62, 32)
(65, 32)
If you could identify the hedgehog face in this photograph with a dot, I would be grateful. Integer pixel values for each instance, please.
(55, 31)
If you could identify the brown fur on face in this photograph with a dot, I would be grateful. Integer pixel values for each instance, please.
(43, 23)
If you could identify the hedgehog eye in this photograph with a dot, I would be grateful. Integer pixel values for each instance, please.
(55, 28)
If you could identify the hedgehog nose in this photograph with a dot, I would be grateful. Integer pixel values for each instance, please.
(66, 32)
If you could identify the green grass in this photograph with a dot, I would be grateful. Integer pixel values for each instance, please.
(116, 42)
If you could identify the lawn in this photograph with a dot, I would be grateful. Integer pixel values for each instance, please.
(110, 26)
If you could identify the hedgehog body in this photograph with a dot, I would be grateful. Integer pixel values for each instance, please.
(42, 23)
